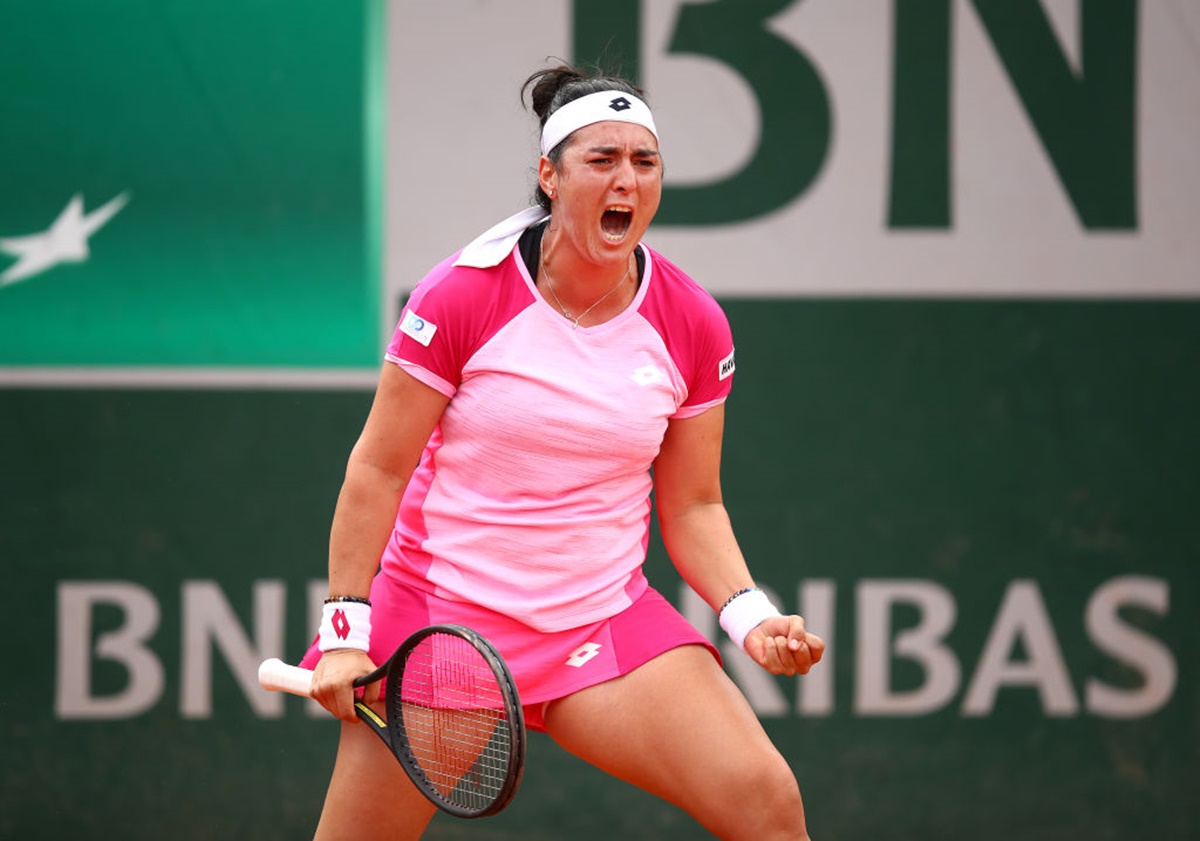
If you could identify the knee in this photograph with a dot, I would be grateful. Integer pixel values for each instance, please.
(770, 806)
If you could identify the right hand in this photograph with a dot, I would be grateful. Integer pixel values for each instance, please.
(333, 681)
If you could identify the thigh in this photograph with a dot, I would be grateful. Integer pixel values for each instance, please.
(369, 794)
(679, 728)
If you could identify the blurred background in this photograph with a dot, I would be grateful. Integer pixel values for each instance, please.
(957, 242)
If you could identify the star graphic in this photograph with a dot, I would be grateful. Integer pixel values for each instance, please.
(66, 241)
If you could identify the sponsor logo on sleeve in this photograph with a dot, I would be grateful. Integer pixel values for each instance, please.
(417, 328)
(726, 367)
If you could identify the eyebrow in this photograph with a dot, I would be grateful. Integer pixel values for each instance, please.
(640, 152)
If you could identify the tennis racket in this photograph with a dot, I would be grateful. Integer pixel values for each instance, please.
(454, 720)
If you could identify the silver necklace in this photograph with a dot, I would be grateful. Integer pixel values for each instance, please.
(550, 285)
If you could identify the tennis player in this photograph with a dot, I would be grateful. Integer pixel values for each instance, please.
(540, 384)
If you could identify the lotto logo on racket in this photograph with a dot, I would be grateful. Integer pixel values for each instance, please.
(417, 328)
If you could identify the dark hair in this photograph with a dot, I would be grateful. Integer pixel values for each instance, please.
(553, 87)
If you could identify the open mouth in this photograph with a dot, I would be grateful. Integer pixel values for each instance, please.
(615, 223)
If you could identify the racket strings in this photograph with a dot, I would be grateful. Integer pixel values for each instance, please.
(453, 712)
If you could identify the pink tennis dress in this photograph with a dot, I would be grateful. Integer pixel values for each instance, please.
(528, 516)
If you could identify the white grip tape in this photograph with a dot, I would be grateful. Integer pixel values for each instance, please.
(744, 613)
(345, 625)
(276, 675)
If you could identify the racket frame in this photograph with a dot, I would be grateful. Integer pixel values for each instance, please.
(392, 732)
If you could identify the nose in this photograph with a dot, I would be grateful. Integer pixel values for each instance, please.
(623, 176)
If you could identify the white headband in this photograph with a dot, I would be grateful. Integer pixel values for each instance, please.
(595, 108)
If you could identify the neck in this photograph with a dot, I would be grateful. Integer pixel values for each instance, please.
(575, 274)
(579, 294)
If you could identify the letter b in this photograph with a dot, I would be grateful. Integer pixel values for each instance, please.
(126, 645)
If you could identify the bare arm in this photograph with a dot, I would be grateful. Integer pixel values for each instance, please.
(402, 417)
(691, 511)
(700, 540)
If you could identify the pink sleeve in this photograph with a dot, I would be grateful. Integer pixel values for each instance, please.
(449, 316)
(711, 376)
(697, 334)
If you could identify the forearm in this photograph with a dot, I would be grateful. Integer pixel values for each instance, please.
(363, 521)
(703, 548)
(700, 540)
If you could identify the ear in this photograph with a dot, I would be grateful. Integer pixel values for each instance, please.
(547, 176)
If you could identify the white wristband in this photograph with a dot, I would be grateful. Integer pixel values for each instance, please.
(743, 613)
(345, 625)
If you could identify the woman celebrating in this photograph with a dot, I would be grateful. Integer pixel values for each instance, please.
(541, 383)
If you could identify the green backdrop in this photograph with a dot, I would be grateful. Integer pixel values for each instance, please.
(960, 443)
(239, 134)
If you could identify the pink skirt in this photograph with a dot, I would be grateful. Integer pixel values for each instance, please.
(546, 666)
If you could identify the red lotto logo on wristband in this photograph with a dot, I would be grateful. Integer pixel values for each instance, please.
(341, 625)
(345, 624)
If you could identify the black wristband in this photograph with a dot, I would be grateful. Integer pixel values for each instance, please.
(734, 596)
(351, 599)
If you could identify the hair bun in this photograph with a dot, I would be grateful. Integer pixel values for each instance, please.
(544, 87)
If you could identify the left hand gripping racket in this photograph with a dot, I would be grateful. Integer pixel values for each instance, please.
(454, 719)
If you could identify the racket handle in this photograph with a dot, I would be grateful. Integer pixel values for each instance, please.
(276, 675)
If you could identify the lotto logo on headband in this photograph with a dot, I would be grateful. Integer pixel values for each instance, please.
(595, 108)
(418, 328)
